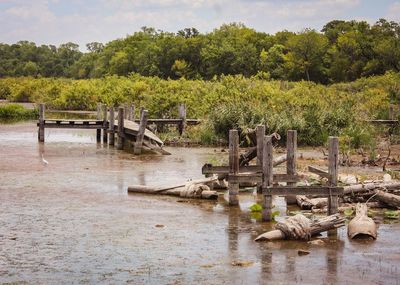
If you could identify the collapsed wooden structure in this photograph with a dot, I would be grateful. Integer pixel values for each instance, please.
(263, 173)
(123, 125)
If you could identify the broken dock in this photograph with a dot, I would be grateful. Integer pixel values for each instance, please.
(123, 125)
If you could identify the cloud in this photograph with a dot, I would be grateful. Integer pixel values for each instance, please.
(394, 12)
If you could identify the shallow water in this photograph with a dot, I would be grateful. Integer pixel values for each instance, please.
(71, 221)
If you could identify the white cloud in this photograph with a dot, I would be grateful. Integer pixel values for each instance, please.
(393, 13)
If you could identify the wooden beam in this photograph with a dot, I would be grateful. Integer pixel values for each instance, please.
(233, 187)
(304, 190)
(41, 122)
(260, 133)
(142, 128)
(319, 171)
(257, 178)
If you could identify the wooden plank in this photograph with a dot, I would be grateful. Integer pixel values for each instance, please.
(131, 116)
(260, 133)
(257, 178)
(41, 122)
(318, 171)
(140, 135)
(120, 125)
(267, 167)
(75, 126)
(384, 122)
(303, 190)
(210, 169)
(111, 140)
(233, 187)
(171, 121)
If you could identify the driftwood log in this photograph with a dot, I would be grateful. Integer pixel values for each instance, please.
(328, 223)
(191, 189)
(353, 189)
(306, 204)
(388, 198)
(362, 225)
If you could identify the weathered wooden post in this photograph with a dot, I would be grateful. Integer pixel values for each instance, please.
(291, 148)
(126, 111)
(233, 167)
(182, 116)
(267, 167)
(121, 135)
(41, 122)
(260, 132)
(139, 138)
(98, 131)
(105, 123)
(131, 116)
(391, 112)
(111, 139)
(333, 158)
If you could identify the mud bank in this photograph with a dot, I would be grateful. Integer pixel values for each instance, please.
(71, 221)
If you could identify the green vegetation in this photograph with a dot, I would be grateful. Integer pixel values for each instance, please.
(315, 110)
(342, 52)
(17, 112)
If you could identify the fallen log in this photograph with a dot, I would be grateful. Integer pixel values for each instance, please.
(387, 198)
(306, 204)
(192, 189)
(316, 227)
(370, 186)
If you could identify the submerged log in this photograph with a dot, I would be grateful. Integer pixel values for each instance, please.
(306, 204)
(361, 224)
(316, 227)
(387, 198)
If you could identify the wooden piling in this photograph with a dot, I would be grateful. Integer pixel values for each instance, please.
(121, 135)
(140, 135)
(131, 116)
(391, 112)
(126, 112)
(182, 116)
(267, 168)
(333, 158)
(291, 151)
(104, 123)
(98, 131)
(111, 139)
(41, 122)
(233, 187)
(260, 132)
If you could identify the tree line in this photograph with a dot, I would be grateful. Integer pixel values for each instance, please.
(342, 51)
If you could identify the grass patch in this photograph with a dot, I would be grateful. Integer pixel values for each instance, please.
(17, 112)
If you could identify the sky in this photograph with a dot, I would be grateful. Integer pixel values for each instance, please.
(60, 21)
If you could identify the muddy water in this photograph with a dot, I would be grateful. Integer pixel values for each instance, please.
(72, 221)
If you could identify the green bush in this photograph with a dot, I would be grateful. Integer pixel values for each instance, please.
(17, 112)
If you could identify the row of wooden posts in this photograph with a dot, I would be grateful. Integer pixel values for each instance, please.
(264, 175)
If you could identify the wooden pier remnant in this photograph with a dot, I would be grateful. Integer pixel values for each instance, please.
(291, 152)
(260, 133)
(41, 122)
(111, 132)
(98, 132)
(182, 117)
(105, 123)
(333, 165)
(233, 167)
(121, 135)
(139, 138)
(267, 177)
(126, 129)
